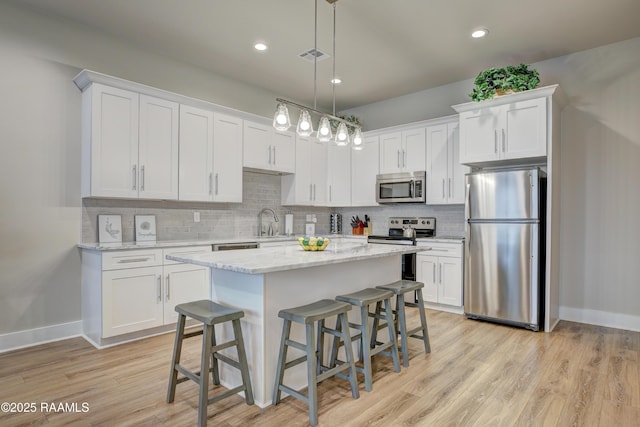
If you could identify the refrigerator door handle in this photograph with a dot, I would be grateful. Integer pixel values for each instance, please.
(466, 205)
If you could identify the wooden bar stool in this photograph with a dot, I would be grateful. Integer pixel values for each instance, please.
(210, 314)
(364, 299)
(400, 288)
(307, 315)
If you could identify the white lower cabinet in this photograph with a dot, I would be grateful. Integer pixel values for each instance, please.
(130, 291)
(440, 269)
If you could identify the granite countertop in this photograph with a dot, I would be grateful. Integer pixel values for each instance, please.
(441, 239)
(183, 243)
(267, 260)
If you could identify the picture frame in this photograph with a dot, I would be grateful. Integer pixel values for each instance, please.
(109, 228)
(145, 226)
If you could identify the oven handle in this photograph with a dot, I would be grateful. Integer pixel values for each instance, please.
(412, 188)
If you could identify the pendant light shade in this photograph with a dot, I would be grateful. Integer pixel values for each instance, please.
(357, 139)
(305, 127)
(281, 119)
(342, 135)
(324, 129)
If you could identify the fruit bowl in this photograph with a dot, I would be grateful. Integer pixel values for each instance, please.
(313, 243)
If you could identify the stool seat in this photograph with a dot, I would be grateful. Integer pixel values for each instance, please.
(402, 286)
(365, 296)
(209, 312)
(315, 311)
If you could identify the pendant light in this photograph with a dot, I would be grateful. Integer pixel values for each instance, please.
(324, 129)
(305, 127)
(281, 118)
(357, 139)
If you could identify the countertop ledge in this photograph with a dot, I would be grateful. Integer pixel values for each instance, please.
(185, 243)
(268, 260)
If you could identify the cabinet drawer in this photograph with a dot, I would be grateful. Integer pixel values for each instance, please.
(189, 250)
(131, 259)
(442, 249)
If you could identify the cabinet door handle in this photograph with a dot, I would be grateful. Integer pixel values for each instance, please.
(504, 137)
(135, 177)
(449, 187)
(443, 195)
(142, 178)
(314, 192)
(274, 155)
(398, 159)
(440, 273)
(269, 154)
(210, 184)
(495, 141)
(330, 193)
(168, 294)
(404, 158)
(434, 273)
(159, 289)
(216, 184)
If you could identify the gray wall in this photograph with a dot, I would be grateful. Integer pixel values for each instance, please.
(599, 174)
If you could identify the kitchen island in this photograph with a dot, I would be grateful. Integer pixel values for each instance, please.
(263, 281)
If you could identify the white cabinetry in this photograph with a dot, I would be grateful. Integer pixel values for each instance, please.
(267, 149)
(440, 269)
(403, 151)
(210, 156)
(338, 175)
(308, 185)
(445, 174)
(364, 168)
(130, 291)
(129, 144)
(508, 129)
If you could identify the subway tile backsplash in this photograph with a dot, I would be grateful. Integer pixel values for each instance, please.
(174, 220)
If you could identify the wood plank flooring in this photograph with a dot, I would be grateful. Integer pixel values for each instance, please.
(478, 374)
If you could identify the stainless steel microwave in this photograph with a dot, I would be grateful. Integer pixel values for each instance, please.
(403, 187)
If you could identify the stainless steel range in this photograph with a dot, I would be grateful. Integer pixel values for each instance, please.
(405, 231)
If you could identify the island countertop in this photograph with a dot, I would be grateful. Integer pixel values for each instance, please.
(268, 260)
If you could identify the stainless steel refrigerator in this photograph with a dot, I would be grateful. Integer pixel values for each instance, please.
(505, 246)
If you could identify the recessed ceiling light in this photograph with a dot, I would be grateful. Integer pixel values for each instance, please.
(260, 46)
(479, 33)
(336, 81)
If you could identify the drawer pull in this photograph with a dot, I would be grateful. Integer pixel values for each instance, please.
(127, 260)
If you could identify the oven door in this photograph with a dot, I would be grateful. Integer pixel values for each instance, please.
(409, 267)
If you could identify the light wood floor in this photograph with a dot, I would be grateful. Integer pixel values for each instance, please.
(478, 374)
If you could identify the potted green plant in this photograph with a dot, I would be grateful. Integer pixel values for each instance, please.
(349, 118)
(501, 81)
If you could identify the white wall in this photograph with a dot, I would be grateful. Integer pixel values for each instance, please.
(40, 213)
(600, 253)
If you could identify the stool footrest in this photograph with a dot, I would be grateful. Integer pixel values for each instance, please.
(225, 394)
(217, 348)
(333, 371)
(295, 362)
(294, 393)
(296, 344)
(228, 360)
(192, 334)
(187, 374)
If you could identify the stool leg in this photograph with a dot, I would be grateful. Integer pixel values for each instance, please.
(374, 328)
(335, 346)
(348, 349)
(320, 347)
(403, 329)
(365, 348)
(203, 398)
(242, 358)
(214, 360)
(423, 323)
(177, 351)
(282, 357)
(393, 335)
(312, 378)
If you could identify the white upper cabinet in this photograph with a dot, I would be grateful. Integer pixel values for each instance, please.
(364, 168)
(510, 129)
(210, 156)
(130, 145)
(338, 175)
(403, 151)
(196, 154)
(109, 142)
(445, 174)
(227, 158)
(308, 185)
(267, 149)
(158, 149)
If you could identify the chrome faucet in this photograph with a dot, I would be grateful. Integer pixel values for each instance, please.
(275, 217)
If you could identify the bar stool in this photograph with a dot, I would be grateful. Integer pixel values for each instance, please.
(400, 288)
(318, 312)
(210, 314)
(363, 299)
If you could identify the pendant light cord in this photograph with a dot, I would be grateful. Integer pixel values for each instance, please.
(315, 57)
(333, 83)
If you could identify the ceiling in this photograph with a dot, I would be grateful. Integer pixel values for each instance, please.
(383, 48)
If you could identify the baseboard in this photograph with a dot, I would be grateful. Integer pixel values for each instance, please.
(601, 318)
(31, 337)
